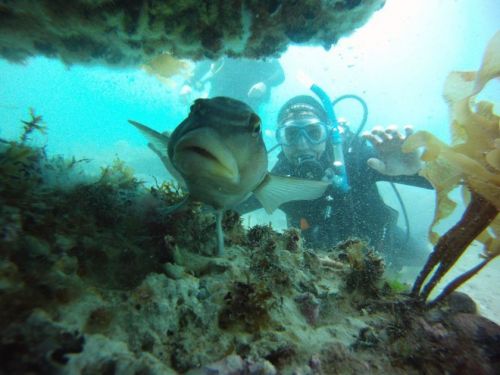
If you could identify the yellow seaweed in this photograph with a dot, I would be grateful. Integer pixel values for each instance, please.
(473, 161)
(474, 156)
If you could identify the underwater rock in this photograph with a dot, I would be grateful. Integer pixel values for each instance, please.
(199, 264)
(129, 291)
(235, 365)
(440, 343)
(309, 307)
(130, 33)
(104, 356)
(336, 358)
(484, 332)
(459, 302)
(39, 345)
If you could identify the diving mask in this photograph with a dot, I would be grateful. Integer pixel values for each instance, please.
(312, 130)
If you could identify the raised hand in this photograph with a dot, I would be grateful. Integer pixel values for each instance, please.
(392, 161)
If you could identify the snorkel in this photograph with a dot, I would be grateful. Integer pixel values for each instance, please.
(339, 178)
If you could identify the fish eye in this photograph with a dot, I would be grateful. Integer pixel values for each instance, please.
(255, 124)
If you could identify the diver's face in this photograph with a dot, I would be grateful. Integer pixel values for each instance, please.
(303, 139)
(303, 150)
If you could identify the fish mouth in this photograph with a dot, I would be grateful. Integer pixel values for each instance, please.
(202, 152)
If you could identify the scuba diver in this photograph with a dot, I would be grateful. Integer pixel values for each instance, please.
(304, 132)
(250, 81)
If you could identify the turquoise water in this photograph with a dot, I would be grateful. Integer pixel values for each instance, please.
(397, 62)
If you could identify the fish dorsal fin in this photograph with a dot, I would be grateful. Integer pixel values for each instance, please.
(276, 190)
(158, 142)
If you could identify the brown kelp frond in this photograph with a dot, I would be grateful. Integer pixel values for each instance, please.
(472, 160)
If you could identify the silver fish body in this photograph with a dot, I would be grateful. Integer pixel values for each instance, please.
(219, 152)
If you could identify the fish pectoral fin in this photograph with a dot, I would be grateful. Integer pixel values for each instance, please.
(158, 141)
(276, 190)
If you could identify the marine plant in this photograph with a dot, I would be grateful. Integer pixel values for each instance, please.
(397, 286)
(365, 269)
(35, 123)
(293, 241)
(119, 175)
(259, 234)
(247, 306)
(168, 191)
(19, 168)
(472, 161)
(20, 164)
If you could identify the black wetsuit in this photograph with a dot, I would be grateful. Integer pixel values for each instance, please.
(236, 76)
(360, 212)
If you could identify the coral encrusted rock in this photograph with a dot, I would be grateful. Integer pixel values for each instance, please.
(129, 33)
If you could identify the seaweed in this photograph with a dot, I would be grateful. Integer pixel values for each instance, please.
(20, 164)
(266, 265)
(101, 256)
(169, 192)
(98, 222)
(246, 305)
(472, 161)
(260, 234)
(35, 123)
(366, 267)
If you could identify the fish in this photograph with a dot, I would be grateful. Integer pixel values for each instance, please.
(217, 154)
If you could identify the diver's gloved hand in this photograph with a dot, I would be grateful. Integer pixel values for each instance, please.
(257, 91)
(392, 161)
